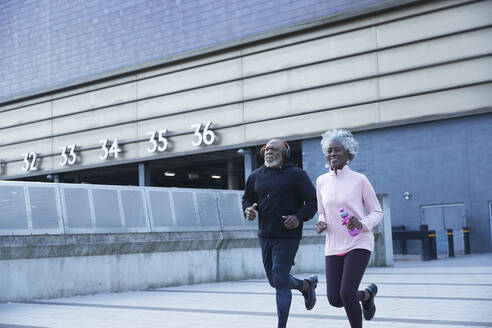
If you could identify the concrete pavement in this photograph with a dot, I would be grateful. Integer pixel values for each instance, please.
(450, 292)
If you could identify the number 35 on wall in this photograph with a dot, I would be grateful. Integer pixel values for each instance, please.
(157, 141)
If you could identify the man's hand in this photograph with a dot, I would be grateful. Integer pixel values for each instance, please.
(290, 221)
(250, 212)
(320, 226)
(353, 223)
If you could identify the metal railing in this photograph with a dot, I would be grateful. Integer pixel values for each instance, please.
(33, 208)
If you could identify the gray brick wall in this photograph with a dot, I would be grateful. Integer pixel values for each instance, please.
(46, 43)
(440, 162)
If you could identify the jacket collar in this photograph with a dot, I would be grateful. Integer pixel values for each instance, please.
(345, 169)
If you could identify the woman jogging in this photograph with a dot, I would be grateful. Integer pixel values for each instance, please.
(349, 240)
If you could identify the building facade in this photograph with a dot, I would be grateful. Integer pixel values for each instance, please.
(189, 104)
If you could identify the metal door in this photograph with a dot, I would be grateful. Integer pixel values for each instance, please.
(442, 217)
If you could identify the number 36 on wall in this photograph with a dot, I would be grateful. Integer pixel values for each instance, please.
(205, 136)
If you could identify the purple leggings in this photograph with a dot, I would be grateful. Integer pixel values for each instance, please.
(343, 276)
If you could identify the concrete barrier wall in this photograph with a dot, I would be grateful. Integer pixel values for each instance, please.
(34, 267)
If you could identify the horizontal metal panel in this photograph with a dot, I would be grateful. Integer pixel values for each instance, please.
(26, 103)
(206, 60)
(436, 51)
(435, 78)
(451, 20)
(95, 119)
(343, 44)
(25, 114)
(190, 78)
(188, 100)
(315, 123)
(331, 72)
(25, 132)
(96, 86)
(97, 98)
(317, 99)
(437, 104)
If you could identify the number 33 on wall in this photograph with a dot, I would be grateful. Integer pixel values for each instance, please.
(69, 159)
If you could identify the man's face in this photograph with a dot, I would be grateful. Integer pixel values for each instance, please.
(273, 153)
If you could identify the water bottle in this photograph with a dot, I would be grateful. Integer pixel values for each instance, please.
(344, 215)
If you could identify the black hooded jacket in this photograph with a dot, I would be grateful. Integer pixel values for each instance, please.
(284, 190)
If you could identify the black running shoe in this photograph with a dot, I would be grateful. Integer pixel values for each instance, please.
(368, 307)
(310, 293)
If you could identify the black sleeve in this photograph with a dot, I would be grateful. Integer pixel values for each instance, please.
(249, 196)
(308, 194)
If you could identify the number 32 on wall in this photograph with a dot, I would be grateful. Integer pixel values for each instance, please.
(30, 162)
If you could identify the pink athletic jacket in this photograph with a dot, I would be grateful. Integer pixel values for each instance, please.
(354, 192)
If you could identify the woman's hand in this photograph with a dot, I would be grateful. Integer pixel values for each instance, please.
(353, 223)
(320, 226)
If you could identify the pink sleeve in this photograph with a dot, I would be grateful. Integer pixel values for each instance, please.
(372, 205)
(321, 209)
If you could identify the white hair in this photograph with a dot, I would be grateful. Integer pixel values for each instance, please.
(342, 136)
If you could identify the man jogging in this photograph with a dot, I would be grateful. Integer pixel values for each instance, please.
(282, 197)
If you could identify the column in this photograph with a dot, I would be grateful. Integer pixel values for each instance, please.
(249, 162)
(143, 174)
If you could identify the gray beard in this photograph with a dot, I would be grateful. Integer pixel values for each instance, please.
(274, 163)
